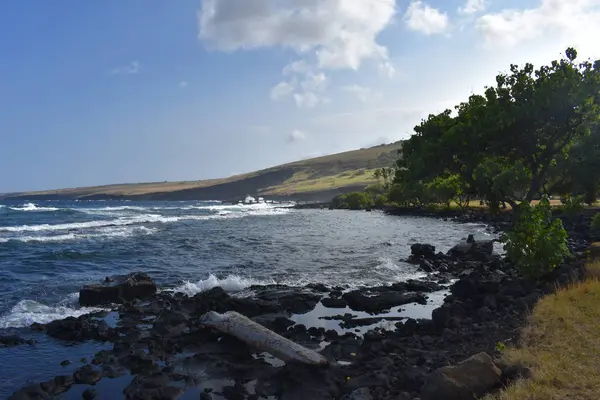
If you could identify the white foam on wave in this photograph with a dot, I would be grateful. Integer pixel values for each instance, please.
(138, 219)
(33, 207)
(398, 273)
(231, 283)
(26, 312)
(103, 233)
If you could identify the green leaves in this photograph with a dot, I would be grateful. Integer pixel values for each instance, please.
(355, 201)
(538, 242)
(510, 143)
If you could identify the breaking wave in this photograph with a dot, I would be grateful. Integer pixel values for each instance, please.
(104, 233)
(26, 312)
(33, 207)
(231, 283)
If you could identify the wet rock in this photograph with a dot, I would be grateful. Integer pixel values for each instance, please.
(87, 375)
(134, 286)
(422, 250)
(34, 391)
(275, 322)
(89, 394)
(334, 303)
(358, 301)
(359, 394)
(205, 396)
(426, 266)
(78, 329)
(291, 300)
(318, 287)
(14, 340)
(62, 383)
(300, 382)
(418, 286)
(473, 377)
(480, 250)
(367, 380)
(112, 372)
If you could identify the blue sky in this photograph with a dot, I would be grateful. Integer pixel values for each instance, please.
(98, 92)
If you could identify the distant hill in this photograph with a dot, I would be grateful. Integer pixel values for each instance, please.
(313, 179)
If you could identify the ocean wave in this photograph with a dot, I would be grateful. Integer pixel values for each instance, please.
(139, 219)
(231, 283)
(105, 233)
(33, 207)
(26, 312)
(398, 272)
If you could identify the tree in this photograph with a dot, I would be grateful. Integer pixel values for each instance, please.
(528, 134)
(542, 113)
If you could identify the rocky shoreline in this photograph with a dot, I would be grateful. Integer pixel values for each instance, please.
(160, 347)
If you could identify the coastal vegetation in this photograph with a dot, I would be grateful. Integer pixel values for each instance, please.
(534, 132)
(560, 345)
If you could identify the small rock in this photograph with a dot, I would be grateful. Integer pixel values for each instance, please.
(89, 394)
(14, 340)
(65, 363)
(134, 286)
(87, 375)
(334, 303)
(359, 394)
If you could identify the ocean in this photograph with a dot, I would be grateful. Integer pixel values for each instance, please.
(50, 249)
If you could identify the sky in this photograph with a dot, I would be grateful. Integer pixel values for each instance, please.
(116, 91)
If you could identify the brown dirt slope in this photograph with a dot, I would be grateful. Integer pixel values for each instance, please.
(313, 179)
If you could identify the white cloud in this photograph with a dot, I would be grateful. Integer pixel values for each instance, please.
(296, 136)
(281, 90)
(327, 34)
(387, 69)
(130, 69)
(472, 7)
(183, 84)
(423, 18)
(573, 22)
(364, 94)
(341, 33)
(305, 86)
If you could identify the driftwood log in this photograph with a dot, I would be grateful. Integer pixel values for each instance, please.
(259, 337)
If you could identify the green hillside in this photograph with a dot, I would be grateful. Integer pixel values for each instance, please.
(312, 179)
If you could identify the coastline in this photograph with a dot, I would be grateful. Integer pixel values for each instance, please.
(480, 302)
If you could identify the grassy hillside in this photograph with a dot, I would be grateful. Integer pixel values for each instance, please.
(312, 179)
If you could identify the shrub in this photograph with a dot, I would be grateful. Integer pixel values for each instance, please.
(359, 200)
(595, 224)
(572, 205)
(538, 242)
(353, 201)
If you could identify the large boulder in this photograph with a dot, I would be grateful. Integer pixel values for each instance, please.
(130, 287)
(480, 250)
(472, 378)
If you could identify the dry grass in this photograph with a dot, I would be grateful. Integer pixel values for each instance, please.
(561, 344)
(301, 183)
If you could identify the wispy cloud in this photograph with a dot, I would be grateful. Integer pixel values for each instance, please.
(296, 136)
(130, 69)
